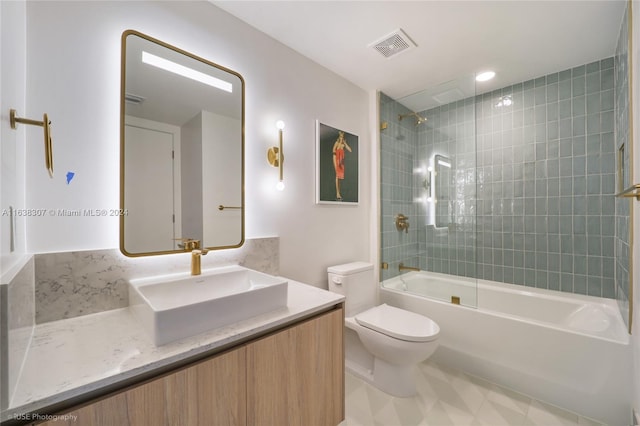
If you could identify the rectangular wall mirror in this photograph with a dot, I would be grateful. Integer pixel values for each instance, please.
(182, 150)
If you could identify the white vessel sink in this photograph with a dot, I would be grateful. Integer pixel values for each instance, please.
(171, 307)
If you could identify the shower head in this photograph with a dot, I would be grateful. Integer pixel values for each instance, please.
(419, 119)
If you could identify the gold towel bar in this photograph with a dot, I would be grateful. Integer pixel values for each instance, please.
(46, 125)
(632, 191)
(221, 207)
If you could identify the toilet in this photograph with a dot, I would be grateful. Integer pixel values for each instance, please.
(383, 344)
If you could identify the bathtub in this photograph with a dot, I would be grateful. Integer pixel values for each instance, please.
(568, 350)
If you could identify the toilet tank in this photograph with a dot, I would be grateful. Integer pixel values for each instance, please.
(355, 282)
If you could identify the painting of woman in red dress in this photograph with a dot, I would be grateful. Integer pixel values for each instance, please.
(338, 161)
(337, 166)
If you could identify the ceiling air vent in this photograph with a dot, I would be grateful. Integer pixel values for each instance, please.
(394, 43)
(449, 96)
(130, 98)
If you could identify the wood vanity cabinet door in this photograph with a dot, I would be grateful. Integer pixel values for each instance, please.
(211, 392)
(296, 376)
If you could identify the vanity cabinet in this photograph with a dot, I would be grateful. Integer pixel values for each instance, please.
(296, 376)
(293, 376)
(212, 389)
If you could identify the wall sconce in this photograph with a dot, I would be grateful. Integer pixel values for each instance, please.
(275, 156)
(46, 125)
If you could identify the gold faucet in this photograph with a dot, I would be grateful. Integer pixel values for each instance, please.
(401, 267)
(196, 260)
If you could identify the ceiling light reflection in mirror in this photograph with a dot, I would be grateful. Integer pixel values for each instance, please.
(171, 66)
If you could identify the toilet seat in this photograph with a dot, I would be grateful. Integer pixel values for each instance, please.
(399, 324)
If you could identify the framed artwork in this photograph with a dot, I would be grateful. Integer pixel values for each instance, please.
(337, 164)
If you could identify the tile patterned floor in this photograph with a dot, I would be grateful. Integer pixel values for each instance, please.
(450, 397)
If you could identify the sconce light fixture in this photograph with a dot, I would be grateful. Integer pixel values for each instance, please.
(275, 155)
(46, 125)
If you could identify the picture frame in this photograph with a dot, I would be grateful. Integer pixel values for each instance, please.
(337, 166)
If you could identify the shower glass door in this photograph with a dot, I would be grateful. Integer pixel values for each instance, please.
(428, 192)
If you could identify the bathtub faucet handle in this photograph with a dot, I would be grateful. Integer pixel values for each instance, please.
(402, 223)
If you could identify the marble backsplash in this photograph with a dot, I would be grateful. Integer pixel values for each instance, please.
(79, 283)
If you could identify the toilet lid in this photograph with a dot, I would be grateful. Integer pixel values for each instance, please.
(398, 323)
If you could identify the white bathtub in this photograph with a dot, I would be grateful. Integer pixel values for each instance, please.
(569, 350)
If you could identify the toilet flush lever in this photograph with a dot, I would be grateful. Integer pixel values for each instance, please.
(336, 280)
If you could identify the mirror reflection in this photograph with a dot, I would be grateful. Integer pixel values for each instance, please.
(182, 150)
(444, 186)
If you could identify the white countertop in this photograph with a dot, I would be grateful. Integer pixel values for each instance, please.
(69, 358)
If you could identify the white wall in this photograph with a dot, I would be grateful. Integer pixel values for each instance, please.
(74, 75)
(12, 145)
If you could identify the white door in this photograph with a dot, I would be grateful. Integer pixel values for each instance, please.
(149, 197)
(222, 177)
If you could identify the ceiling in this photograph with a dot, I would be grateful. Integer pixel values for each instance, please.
(519, 40)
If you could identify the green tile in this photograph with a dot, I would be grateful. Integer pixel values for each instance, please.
(606, 63)
(552, 111)
(593, 124)
(580, 284)
(564, 89)
(594, 104)
(607, 79)
(594, 268)
(579, 106)
(594, 245)
(593, 67)
(578, 126)
(564, 109)
(580, 264)
(578, 71)
(593, 83)
(607, 122)
(578, 86)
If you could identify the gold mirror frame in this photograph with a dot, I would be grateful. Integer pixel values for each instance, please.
(188, 244)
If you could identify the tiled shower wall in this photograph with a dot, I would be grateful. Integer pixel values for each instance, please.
(397, 157)
(451, 131)
(546, 179)
(544, 173)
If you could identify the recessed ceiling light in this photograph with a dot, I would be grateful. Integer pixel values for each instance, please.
(485, 76)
